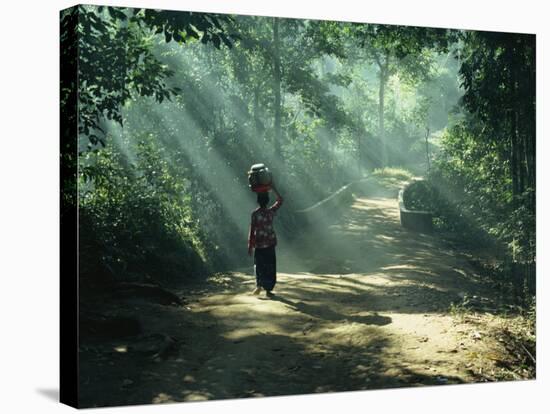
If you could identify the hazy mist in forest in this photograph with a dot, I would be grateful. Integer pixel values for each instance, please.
(221, 123)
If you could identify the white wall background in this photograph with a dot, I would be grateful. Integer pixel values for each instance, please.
(29, 236)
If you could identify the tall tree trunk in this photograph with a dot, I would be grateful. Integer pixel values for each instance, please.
(257, 121)
(277, 87)
(522, 165)
(428, 148)
(383, 78)
(514, 170)
(513, 155)
(359, 153)
(518, 132)
(529, 122)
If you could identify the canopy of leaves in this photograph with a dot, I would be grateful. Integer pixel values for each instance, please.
(116, 58)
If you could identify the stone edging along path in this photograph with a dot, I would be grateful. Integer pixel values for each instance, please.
(416, 220)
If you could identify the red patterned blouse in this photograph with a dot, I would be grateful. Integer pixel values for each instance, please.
(261, 232)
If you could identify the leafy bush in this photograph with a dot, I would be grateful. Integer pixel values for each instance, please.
(393, 173)
(420, 196)
(135, 217)
(476, 204)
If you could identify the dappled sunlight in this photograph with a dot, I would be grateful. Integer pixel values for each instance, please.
(373, 313)
(163, 398)
(173, 110)
(196, 396)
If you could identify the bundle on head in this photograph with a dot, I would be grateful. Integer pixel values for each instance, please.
(259, 178)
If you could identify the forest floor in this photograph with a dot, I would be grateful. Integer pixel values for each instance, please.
(363, 304)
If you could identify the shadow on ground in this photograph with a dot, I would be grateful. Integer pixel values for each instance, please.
(50, 393)
(360, 304)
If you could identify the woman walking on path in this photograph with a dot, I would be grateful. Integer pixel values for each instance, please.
(262, 239)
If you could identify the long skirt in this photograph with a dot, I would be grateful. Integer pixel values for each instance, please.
(265, 267)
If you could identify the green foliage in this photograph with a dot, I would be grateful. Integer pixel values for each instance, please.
(498, 75)
(487, 166)
(477, 204)
(420, 196)
(393, 173)
(69, 116)
(116, 59)
(203, 96)
(136, 217)
(183, 27)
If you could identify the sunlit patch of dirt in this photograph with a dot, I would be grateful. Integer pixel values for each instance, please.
(366, 307)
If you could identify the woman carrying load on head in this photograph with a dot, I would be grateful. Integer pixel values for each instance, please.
(262, 241)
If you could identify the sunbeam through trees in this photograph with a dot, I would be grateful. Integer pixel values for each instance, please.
(164, 112)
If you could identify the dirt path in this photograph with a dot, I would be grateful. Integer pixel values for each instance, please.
(363, 306)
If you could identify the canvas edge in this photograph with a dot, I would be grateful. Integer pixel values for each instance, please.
(69, 294)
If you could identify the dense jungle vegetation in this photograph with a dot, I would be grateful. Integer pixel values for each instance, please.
(174, 107)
